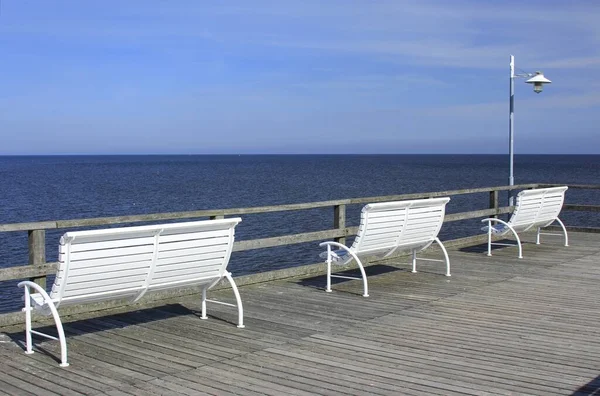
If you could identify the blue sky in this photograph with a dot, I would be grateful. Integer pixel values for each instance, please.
(302, 76)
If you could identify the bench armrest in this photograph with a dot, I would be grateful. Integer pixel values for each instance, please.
(37, 287)
(495, 220)
(336, 244)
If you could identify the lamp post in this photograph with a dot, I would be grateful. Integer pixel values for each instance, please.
(538, 80)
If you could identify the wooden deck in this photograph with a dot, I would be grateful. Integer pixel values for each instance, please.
(499, 325)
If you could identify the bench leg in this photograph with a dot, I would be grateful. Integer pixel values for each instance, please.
(564, 230)
(364, 277)
(59, 327)
(447, 259)
(204, 304)
(519, 244)
(414, 261)
(27, 311)
(61, 337)
(489, 252)
(489, 221)
(238, 299)
(328, 288)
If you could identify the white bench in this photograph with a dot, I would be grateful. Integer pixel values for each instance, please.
(125, 263)
(391, 227)
(534, 208)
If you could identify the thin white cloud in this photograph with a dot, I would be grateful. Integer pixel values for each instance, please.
(464, 34)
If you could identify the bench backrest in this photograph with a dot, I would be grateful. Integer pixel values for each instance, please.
(123, 263)
(402, 225)
(537, 208)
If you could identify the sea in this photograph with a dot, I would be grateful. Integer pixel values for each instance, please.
(40, 188)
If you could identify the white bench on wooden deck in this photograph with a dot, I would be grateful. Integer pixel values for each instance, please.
(125, 263)
(534, 208)
(391, 227)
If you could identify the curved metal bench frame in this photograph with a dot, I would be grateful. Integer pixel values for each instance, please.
(546, 199)
(48, 304)
(406, 214)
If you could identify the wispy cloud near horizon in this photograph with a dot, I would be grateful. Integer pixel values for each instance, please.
(245, 75)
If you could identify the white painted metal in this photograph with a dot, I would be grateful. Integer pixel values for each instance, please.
(125, 263)
(388, 228)
(511, 125)
(26, 285)
(537, 208)
(537, 80)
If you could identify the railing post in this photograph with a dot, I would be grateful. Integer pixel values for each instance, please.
(339, 221)
(37, 252)
(494, 201)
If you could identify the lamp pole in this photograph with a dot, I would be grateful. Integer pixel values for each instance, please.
(511, 131)
(538, 80)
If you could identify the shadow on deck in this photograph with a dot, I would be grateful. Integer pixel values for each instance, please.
(499, 325)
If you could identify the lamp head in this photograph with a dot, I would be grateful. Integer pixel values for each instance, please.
(538, 81)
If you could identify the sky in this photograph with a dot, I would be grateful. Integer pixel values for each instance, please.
(297, 76)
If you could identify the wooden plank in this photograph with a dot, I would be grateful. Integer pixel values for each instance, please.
(27, 271)
(327, 374)
(37, 253)
(358, 347)
(7, 388)
(214, 384)
(498, 325)
(237, 211)
(29, 379)
(72, 380)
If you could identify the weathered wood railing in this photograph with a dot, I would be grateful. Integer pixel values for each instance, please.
(38, 268)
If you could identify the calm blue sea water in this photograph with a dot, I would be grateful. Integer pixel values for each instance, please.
(67, 187)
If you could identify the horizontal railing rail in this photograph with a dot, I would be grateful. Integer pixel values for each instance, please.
(47, 225)
(37, 269)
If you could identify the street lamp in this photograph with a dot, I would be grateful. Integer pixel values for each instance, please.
(538, 80)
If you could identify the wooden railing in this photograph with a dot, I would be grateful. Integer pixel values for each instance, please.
(38, 268)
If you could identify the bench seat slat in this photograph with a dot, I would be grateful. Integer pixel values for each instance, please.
(422, 218)
(123, 270)
(395, 222)
(534, 209)
(166, 238)
(176, 277)
(108, 261)
(104, 286)
(386, 228)
(384, 214)
(111, 244)
(184, 282)
(429, 223)
(200, 260)
(130, 251)
(125, 263)
(101, 262)
(192, 266)
(86, 284)
(91, 297)
(164, 254)
(197, 243)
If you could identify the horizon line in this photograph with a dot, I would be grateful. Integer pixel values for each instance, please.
(270, 154)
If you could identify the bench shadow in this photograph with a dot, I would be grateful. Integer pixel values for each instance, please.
(319, 281)
(482, 247)
(102, 323)
(590, 389)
